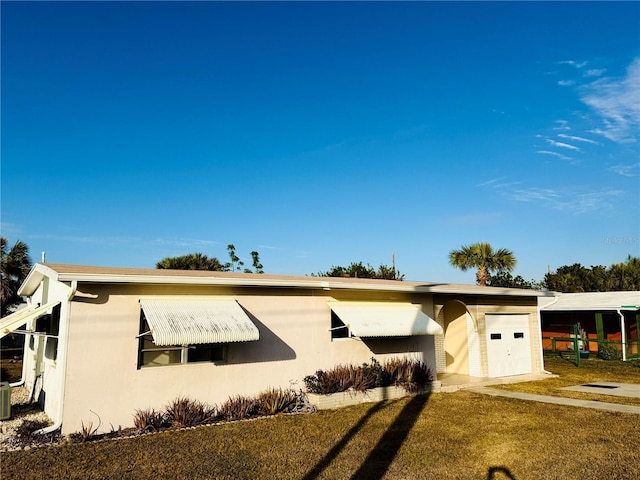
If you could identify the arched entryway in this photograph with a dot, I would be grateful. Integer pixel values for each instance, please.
(461, 346)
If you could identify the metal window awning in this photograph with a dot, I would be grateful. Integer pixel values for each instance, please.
(385, 319)
(25, 315)
(197, 320)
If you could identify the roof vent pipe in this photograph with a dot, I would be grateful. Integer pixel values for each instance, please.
(44, 255)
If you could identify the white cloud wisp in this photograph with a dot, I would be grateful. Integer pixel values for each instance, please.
(617, 103)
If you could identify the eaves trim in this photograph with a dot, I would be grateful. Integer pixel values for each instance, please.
(325, 283)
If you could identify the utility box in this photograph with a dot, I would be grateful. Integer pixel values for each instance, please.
(5, 401)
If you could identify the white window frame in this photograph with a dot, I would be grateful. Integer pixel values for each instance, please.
(146, 336)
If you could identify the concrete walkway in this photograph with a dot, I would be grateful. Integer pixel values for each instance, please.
(452, 382)
(572, 402)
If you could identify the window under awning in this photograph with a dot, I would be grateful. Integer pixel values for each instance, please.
(385, 319)
(197, 320)
(25, 315)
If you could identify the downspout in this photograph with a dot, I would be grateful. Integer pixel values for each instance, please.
(63, 342)
(540, 328)
(20, 382)
(624, 336)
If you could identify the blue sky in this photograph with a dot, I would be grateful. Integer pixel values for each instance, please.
(322, 133)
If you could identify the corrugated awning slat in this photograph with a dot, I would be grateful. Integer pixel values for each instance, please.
(193, 321)
(385, 319)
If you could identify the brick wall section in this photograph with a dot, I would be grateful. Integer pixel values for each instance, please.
(441, 361)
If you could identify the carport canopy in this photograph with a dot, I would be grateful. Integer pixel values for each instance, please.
(25, 315)
(385, 319)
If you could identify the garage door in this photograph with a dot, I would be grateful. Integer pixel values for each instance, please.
(508, 344)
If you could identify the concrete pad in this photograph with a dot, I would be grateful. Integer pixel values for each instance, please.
(608, 388)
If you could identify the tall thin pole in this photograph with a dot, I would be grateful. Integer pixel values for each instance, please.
(393, 264)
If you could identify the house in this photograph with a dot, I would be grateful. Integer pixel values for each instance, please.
(609, 318)
(104, 341)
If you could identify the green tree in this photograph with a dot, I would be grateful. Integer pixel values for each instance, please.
(568, 279)
(15, 265)
(505, 279)
(257, 266)
(235, 262)
(623, 276)
(191, 261)
(484, 258)
(386, 272)
(599, 280)
(360, 270)
(199, 261)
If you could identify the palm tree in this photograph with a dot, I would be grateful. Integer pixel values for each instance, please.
(484, 258)
(191, 261)
(14, 268)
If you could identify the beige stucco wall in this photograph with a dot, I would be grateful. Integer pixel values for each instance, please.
(100, 363)
(103, 377)
(456, 351)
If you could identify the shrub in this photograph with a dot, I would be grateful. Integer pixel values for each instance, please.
(184, 412)
(608, 352)
(412, 375)
(87, 431)
(343, 377)
(149, 420)
(337, 380)
(361, 379)
(408, 374)
(189, 413)
(378, 374)
(238, 408)
(276, 400)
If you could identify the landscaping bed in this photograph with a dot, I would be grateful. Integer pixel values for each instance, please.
(462, 435)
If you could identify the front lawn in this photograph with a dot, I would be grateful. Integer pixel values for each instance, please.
(463, 435)
(592, 370)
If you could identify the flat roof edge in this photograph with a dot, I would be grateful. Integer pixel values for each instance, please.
(150, 277)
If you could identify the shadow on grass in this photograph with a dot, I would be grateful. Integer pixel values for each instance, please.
(380, 458)
(337, 448)
(497, 473)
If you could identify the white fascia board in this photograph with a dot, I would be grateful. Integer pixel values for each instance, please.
(239, 282)
(33, 279)
(490, 291)
(39, 271)
(296, 283)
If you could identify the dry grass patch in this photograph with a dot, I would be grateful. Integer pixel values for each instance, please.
(10, 370)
